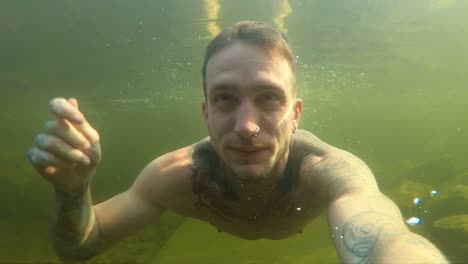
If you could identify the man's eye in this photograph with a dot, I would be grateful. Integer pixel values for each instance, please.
(269, 97)
(224, 98)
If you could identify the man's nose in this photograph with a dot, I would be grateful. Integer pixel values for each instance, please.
(246, 120)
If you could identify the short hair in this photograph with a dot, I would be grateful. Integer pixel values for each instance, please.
(251, 32)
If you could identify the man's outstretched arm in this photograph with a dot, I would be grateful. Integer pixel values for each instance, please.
(366, 226)
(66, 154)
(81, 231)
(369, 229)
(75, 233)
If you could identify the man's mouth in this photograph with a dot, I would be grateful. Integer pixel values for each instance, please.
(246, 149)
(247, 152)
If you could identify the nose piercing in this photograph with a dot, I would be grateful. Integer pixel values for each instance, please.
(257, 131)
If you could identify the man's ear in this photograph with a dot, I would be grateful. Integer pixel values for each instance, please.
(205, 112)
(297, 113)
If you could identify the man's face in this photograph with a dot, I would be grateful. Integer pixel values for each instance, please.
(246, 88)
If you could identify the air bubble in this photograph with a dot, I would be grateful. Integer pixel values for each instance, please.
(413, 221)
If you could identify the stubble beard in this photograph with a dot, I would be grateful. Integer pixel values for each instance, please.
(260, 172)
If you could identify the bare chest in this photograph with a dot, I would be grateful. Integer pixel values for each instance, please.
(257, 217)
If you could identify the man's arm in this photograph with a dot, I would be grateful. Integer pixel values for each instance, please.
(81, 231)
(369, 229)
(75, 234)
(66, 154)
(366, 226)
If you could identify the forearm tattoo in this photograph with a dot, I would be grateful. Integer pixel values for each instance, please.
(361, 233)
(73, 227)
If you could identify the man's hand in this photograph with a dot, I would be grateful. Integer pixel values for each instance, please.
(68, 151)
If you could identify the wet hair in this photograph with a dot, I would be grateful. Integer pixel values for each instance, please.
(251, 32)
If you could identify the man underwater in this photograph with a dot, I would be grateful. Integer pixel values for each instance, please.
(255, 176)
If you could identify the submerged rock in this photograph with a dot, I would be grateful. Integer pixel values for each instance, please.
(408, 193)
(461, 191)
(452, 229)
(433, 193)
(413, 189)
(452, 236)
(451, 201)
(434, 173)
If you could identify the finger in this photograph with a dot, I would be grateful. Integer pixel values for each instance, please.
(41, 159)
(85, 127)
(64, 109)
(69, 111)
(74, 102)
(51, 145)
(92, 136)
(88, 132)
(67, 132)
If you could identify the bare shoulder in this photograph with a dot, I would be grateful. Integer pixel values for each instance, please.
(333, 171)
(304, 143)
(166, 182)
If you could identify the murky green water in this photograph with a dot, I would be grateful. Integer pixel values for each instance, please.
(385, 79)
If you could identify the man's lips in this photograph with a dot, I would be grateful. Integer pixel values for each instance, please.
(246, 149)
(247, 152)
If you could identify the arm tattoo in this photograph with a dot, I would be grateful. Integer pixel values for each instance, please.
(73, 224)
(361, 233)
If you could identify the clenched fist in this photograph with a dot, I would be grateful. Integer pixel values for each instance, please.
(67, 152)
